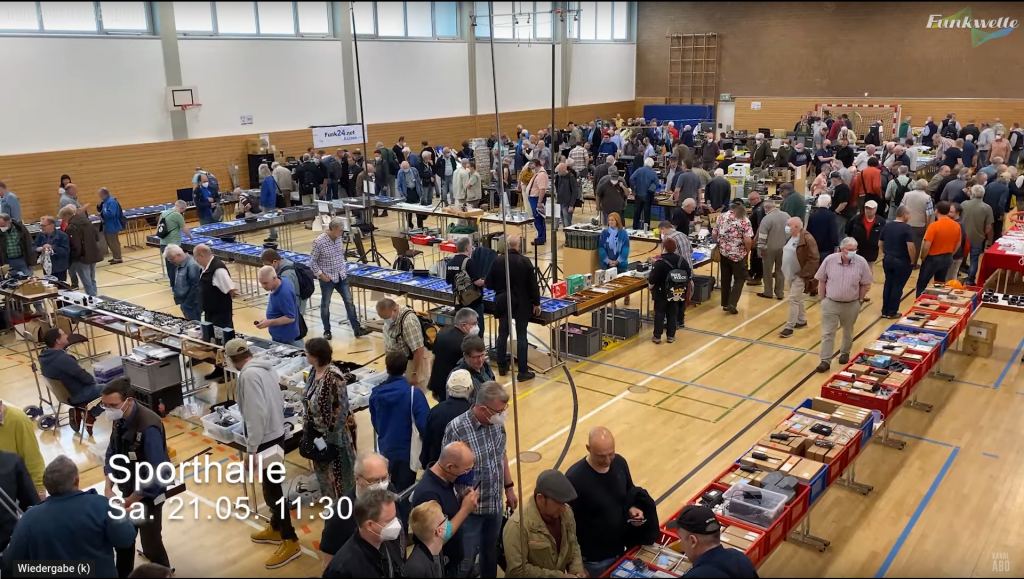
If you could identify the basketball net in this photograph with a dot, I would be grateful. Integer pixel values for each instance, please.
(192, 111)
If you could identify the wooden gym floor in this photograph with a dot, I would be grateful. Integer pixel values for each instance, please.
(943, 506)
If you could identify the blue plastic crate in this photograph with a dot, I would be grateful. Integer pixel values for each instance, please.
(944, 335)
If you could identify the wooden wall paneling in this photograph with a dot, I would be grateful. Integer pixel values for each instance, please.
(778, 113)
(792, 48)
(150, 173)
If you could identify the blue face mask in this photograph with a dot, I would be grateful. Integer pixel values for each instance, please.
(447, 531)
(465, 479)
(788, 230)
(851, 254)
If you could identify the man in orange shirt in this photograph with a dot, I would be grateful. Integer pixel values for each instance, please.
(941, 241)
(867, 186)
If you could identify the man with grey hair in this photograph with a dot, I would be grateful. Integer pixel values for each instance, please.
(216, 289)
(602, 170)
(172, 223)
(110, 210)
(772, 238)
(55, 242)
(482, 428)
(897, 189)
(371, 473)
(463, 262)
(53, 529)
(327, 260)
(70, 197)
(800, 261)
(283, 176)
(763, 156)
(377, 548)
(403, 333)
(459, 393)
(9, 203)
(955, 188)
(448, 350)
(844, 278)
(85, 251)
(977, 219)
(186, 282)
(16, 245)
(282, 317)
(567, 192)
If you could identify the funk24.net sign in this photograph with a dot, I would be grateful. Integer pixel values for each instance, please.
(981, 30)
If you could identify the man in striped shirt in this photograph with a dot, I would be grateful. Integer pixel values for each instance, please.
(579, 155)
(844, 278)
(327, 260)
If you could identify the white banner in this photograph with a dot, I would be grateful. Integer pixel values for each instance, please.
(337, 136)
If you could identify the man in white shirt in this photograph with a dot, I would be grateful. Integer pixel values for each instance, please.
(920, 212)
(862, 159)
(912, 152)
(988, 134)
(216, 290)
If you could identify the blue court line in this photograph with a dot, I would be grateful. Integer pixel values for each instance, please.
(694, 384)
(923, 439)
(959, 381)
(1013, 360)
(917, 514)
(1020, 394)
(990, 455)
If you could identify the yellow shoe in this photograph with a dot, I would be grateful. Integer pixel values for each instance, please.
(267, 536)
(286, 553)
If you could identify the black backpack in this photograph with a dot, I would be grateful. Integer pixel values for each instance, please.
(427, 327)
(404, 263)
(305, 277)
(901, 190)
(677, 282)
(950, 131)
(162, 230)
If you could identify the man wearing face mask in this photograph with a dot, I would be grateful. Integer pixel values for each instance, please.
(431, 531)
(800, 157)
(700, 537)
(799, 264)
(784, 154)
(482, 428)
(844, 278)
(763, 156)
(371, 471)
(549, 547)
(437, 485)
(377, 548)
(137, 436)
(457, 400)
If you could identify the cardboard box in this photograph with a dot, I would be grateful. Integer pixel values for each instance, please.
(775, 459)
(937, 290)
(789, 464)
(735, 542)
(751, 478)
(982, 331)
(974, 347)
(822, 454)
(741, 533)
(806, 470)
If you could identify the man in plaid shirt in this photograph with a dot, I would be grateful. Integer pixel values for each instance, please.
(579, 155)
(327, 260)
(482, 428)
(403, 333)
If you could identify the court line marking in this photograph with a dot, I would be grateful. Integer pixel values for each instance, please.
(1009, 364)
(902, 539)
(597, 410)
(990, 455)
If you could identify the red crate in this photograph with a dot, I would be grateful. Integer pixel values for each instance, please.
(664, 539)
(885, 406)
(953, 333)
(447, 246)
(421, 239)
(758, 550)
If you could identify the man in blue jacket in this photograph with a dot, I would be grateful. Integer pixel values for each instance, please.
(394, 405)
(113, 222)
(56, 242)
(56, 364)
(70, 525)
(282, 319)
(644, 183)
(186, 282)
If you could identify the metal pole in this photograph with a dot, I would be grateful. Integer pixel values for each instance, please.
(359, 78)
(554, 199)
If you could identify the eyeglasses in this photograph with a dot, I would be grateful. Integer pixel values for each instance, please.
(376, 481)
(112, 406)
(478, 356)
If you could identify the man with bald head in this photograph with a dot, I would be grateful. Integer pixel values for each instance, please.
(449, 483)
(799, 264)
(607, 506)
(371, 470)
(282, 318)
(602, 169)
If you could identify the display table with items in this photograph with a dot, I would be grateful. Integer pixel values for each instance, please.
(1007, 253)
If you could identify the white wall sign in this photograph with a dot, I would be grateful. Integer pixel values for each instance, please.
(246, 119)
(755, 105)
(337, 135)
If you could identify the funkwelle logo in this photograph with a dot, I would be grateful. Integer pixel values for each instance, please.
(979, 28)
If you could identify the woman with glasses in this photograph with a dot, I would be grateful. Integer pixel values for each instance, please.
(326, 407)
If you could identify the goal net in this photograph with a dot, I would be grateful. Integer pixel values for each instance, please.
(864, 116)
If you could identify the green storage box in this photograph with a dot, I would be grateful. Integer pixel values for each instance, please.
(574, 283)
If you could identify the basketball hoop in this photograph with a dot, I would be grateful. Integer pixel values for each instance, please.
(192, 110)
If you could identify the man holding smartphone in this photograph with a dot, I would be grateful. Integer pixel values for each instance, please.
(607, 506)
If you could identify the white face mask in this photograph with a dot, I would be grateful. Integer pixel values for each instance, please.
(851, 254)
(114, 414)
(391, 531)
(499, 418)
(615, 181)
(381, 486)
(4, 229)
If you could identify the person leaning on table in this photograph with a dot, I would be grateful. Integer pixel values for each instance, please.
(700, 538)
(282, 318)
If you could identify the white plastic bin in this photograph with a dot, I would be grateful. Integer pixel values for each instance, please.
(753, 505)
(214, 431)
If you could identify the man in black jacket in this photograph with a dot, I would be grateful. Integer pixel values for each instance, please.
(18, 254)
(866, 228)
(17, 483)
(460, 394)
(567, 192)
(85, 250)
(606, 505)
(377, 549)
(448, 351)
(309, 177)
(371, 470)
(756, 215)
(525, 301)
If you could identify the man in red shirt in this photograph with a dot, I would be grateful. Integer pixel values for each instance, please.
(673, 131)
(867, 185)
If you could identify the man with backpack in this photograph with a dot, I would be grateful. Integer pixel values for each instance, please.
(404, 332)
(169, 228)
(897, 188)
(309, 177)
(114, 222)
(466, 278)
(335, 171)
(301, 278)
(327, 262)
(1016, 144)
(392, 163)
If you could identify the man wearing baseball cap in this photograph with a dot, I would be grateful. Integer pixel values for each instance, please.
(259, 398)
(531, 546)
(699, 536)
(458, 401)
(866, 228)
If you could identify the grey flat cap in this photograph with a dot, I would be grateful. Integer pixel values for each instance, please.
(613, 172)
(555, 486)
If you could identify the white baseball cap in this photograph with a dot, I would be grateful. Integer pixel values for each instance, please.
(871, 204)
(460, 384)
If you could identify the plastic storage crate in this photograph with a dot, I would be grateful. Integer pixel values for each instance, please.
(702, 287)
(753, 505)
(108, 369)
(152, 376)
(620, 322)
(581, 341)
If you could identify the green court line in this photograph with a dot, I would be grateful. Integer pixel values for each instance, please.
(647, 405)
(653, 389)
(758, 389)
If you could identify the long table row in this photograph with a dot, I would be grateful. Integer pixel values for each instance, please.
(765, 497)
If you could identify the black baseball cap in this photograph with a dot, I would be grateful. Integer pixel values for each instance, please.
(697, 520)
